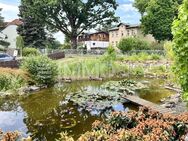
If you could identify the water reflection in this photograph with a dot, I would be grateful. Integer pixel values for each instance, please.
(46, 113)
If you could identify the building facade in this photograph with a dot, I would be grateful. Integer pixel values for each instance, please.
(9, 33)
(97, 40)
(124, 30)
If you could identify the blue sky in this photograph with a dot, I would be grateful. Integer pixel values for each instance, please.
(125, 11)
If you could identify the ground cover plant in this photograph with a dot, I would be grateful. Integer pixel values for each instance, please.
(144, 125)
(11, 79)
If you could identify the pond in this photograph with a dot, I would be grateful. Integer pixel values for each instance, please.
(44, 114)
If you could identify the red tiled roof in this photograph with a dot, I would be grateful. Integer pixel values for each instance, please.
(15, 22)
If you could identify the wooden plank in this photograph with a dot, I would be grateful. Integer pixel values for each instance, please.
(142, 102)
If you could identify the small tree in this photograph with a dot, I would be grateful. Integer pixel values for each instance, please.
(20, 44)
(180, 48)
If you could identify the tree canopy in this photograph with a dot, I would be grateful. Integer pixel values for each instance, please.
(157, 17)
(141, 5)
(72, 17)
(32, 31)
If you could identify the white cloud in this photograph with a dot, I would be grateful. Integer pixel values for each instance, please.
(9, 12)
(127, 8)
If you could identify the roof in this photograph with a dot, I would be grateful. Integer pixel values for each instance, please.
(15, 22)
(126, 24)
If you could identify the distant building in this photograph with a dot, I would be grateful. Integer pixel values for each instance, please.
(124, 30)
(9, 33)
(97, 40)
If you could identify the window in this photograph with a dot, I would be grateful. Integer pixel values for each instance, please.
(116, 33)
(128, 33)
(94, 44)
(122, 34)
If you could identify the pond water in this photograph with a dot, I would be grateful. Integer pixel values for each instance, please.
(44, 114)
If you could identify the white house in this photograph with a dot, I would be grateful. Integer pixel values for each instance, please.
(97, 40)
(9, 33)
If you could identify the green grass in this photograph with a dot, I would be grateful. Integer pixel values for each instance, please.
(85, 67)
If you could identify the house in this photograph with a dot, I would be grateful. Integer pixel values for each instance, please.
(97, 40)
(124, 30)
(9, 33)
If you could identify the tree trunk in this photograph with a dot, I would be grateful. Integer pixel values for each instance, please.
(74, 42)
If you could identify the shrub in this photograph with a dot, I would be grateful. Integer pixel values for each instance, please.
(144, 125)
(157, 46)
(169, 50)
(180, 47)
(11, 79)
(128, 44)
(30, 52)
(155, 57)
(41, 69)
(66, 46)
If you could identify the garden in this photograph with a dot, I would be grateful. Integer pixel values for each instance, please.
(134, 90)
(55, 99)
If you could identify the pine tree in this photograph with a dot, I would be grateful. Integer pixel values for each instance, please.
(32, 31)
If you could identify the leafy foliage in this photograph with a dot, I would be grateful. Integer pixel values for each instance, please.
(159, 17)
(128, 44)
(41, 69)
(141, 5)
(144, 125)
(32, 30)
(20, 44)
(11, 79)
(168, 47)
(30, 51)
(180, 47)
(73, 17)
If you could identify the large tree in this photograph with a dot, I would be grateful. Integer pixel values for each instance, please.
(141, 5)
(158, 16)
(72, 17)
(32, 31)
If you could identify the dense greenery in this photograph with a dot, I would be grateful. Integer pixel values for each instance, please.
(141, 5)
(144, 125)
(30, 52)
(20, 44)
(43, 71)
(32, 31)
(11, 79)
(73, 17)
(1, 20)
(180, 48)
(128, 44)
(2, 39)
(158, 17)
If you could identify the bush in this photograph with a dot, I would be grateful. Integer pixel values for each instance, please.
(144, 125)
(128, 44)
(41, 69)
(66, 46)
(180, 48)
(11, 79)
(157, 46)
(169, 50)
(30, 52)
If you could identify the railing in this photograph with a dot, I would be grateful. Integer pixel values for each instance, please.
(84, 51)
